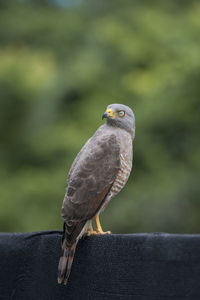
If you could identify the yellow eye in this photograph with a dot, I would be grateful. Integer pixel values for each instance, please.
(121, 113)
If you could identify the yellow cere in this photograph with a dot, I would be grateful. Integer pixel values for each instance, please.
(111, 113)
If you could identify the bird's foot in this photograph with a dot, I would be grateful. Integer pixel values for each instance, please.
(103, 232)
(98, 230)
(91, 232)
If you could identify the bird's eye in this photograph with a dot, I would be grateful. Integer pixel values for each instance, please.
(121, 113)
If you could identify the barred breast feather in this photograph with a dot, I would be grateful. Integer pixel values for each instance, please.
(125, 168)
(122, 176)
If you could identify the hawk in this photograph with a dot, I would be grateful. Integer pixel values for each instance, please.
(99, 172)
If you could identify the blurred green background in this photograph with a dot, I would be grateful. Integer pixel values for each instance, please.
(61, 64)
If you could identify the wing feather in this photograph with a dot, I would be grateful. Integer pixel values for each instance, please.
(91, 177)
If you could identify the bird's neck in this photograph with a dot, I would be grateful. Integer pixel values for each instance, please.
(111, 124)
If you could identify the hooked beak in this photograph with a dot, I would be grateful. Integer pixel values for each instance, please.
(105, 115)
(108, 114)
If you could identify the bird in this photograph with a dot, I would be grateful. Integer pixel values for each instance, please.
(98, 173)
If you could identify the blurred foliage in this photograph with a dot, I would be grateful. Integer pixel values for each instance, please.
(61, 64)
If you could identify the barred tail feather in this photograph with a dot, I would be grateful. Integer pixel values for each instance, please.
(65, 263)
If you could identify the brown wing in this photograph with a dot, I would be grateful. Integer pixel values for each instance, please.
(91, 177)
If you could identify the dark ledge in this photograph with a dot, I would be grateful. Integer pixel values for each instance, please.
(135, 266)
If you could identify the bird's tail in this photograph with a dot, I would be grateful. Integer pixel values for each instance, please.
(65, 262)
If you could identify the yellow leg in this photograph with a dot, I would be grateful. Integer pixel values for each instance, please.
(99, 229)
(91, 231)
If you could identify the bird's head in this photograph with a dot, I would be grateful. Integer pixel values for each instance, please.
(120, 115)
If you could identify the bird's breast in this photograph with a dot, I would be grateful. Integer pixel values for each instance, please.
(122, 175)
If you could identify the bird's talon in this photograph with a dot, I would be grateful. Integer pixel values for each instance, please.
(103, 232)
(91, 232)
